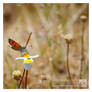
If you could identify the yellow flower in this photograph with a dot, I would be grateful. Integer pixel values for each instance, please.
(29, 61)
(68, 37)
(26, 55)
(27, 58)
(16, 74)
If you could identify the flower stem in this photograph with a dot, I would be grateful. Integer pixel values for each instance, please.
(68, 65)
(26, 79)
(21, 78)
(17, 82)
(82, 51)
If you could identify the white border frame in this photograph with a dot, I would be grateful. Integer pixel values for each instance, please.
(45, 1)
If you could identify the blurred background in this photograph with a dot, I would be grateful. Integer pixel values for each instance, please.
(47, 22)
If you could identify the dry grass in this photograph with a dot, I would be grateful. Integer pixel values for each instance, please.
(47, 22)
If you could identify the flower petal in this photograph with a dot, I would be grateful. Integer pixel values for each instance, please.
(34, 56)
(27, 66)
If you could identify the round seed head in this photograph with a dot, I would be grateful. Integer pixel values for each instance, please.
(83, 18)
(68, 37)
(16, 75)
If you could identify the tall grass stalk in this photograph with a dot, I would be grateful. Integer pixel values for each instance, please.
(83, 19)
(68, 43)
(82, 50)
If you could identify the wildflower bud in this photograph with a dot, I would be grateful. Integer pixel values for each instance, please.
(68, 37)
(83, 18)
(16, 75)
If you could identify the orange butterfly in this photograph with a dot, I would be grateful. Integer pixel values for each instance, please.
(18, 47)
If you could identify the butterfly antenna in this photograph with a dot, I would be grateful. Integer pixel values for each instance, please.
(28, 39)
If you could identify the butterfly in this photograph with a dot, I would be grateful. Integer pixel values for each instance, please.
(16, 46)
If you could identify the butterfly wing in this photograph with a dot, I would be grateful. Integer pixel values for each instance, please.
(14, 45)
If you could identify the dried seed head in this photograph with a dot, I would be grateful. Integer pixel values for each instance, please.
(16, 75)
(43, 76)
(83, 18)
(36, 75)
(68, 37)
